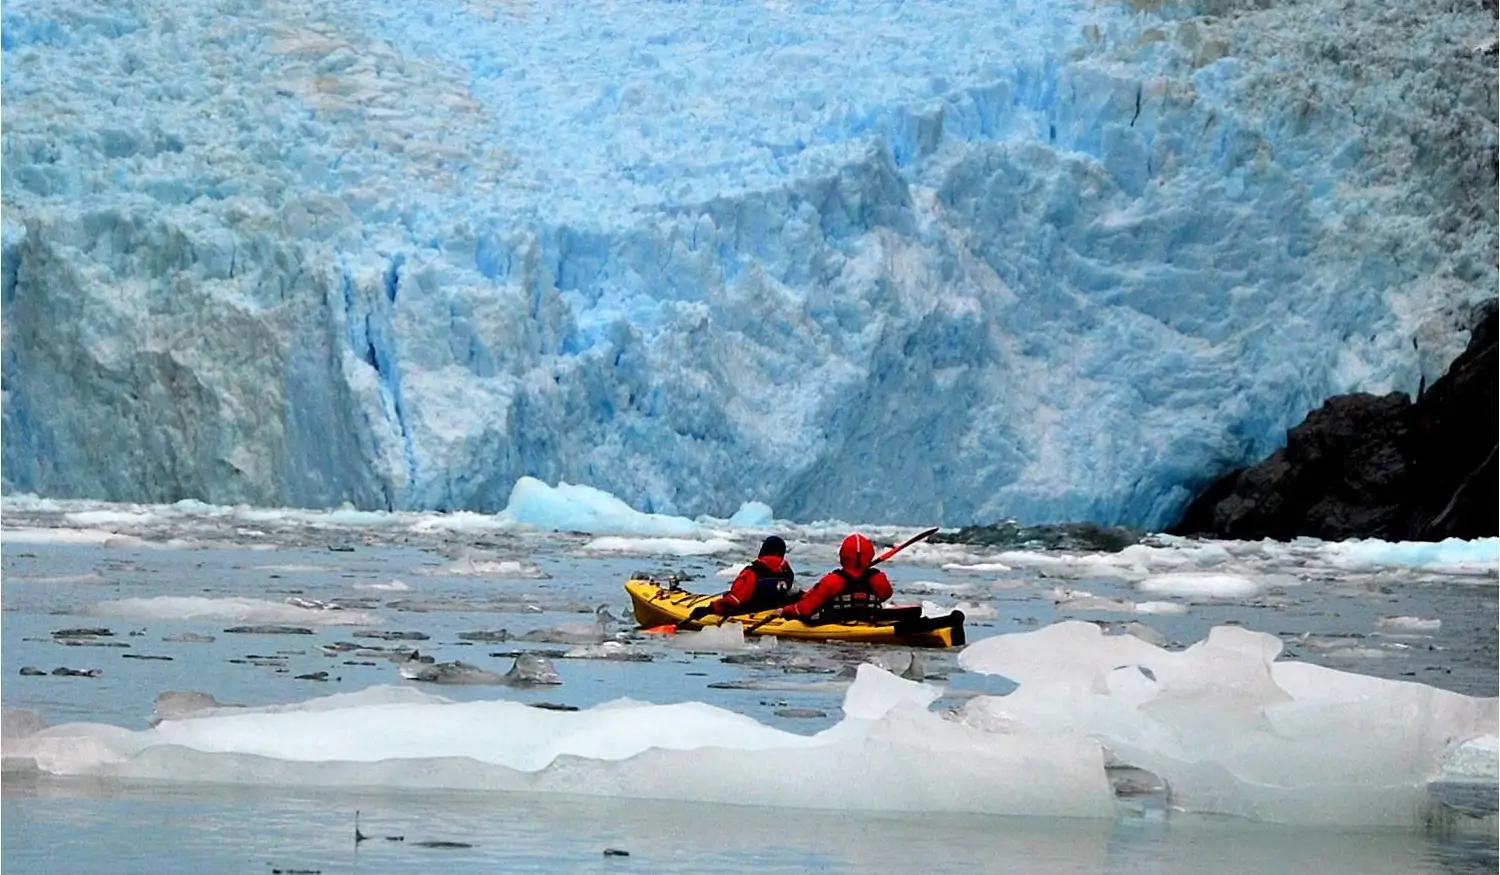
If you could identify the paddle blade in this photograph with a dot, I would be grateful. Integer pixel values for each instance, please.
(919, 536)
(668, 629)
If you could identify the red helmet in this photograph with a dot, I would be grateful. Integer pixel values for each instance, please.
(856, 554)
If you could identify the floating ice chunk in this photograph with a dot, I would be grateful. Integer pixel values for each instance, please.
(876, 692)
(71, 536)
(573, 508)
(1475, 758)
(237, 610)
(1160, 608)
(477, 564)
(101, 518)
(1083, 600)
(1482, 552)
(90, 577)
(933, 587)
(725, 637)
(460, 521)
(1094, 565)
(972, 610)
(752, 514)
(291, 568)
(661, 546)
(1231, 730)
(1199, 586)
(1408, 624)
(392, 585)
(978, 567)
(888, 753)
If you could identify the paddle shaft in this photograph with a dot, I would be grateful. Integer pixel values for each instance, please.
(878, 559)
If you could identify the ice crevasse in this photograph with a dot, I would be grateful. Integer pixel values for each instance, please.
(1060, 261)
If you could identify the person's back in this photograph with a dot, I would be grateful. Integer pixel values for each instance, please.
(852, 590)
(767, 582)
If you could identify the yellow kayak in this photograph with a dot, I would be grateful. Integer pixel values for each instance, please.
(656, 605)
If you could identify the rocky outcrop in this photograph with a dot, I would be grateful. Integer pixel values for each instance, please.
(1367, 466)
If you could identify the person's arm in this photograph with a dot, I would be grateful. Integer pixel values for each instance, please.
(881, 586)
(739, 592)
(815, 598)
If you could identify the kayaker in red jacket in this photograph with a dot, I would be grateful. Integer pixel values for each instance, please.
(854, 588)
(767, 582)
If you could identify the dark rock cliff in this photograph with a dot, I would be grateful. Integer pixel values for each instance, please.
(1367, 466)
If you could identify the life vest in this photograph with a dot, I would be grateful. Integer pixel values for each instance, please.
(772, 585)
(856, 598)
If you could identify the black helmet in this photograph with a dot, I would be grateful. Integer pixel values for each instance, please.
(773, 546)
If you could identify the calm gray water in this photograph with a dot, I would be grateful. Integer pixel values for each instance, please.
(54, 825)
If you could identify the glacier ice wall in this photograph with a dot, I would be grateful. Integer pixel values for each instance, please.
(896, 262)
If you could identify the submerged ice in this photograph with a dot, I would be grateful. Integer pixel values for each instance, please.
(1051, 261)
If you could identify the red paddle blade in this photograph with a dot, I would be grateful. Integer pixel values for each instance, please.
(668, 629)
(919, 536)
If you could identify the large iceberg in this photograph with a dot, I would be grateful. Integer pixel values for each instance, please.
(1053, 260)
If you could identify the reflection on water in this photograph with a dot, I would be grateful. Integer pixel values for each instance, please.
(102, 827)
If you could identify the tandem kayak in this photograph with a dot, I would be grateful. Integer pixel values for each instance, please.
(658, 605)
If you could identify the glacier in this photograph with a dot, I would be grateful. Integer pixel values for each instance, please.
(893, 262)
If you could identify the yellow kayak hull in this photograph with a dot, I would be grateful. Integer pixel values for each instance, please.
(657, 605)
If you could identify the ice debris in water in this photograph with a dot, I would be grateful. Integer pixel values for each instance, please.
(1200, 586)
(1409, 624)
(239, 610)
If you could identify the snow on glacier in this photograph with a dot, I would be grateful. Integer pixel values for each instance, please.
(886, 262)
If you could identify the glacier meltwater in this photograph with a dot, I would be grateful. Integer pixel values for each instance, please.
(1052, 259)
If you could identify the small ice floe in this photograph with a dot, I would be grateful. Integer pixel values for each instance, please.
(1200, 586)
(610, 650)
(478, 564)
(901, 663)
(392, 585)
(64, 671)
(1083, 600)
(268, 629)
(61, 579)
(976, 567)
(89, 632)
(1338, 646)
(1408, 625)
(189, 638)
(661, 546)
(391, 635)
(721, 638)
(486, 636)
(581, 632)
(972, 610)
(933, 587)
(528, 670)
(240, 610)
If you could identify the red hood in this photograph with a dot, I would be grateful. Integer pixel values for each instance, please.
(775, 563)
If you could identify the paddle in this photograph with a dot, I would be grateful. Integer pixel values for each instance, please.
(919, 536)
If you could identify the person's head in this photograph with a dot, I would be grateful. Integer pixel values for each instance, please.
(773, 546)
(856, 554)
